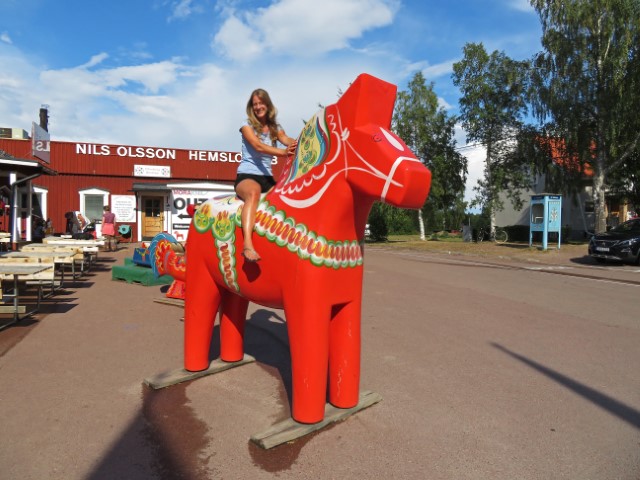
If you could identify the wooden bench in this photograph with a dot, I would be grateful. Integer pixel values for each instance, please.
(90, 248)
(78, 257)
(21, 272)
(42, 280)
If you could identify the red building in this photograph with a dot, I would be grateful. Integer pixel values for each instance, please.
(148, 188)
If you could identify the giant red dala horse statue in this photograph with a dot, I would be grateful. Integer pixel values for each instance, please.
(310, 234)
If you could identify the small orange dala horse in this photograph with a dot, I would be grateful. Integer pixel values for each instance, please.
(310, 234)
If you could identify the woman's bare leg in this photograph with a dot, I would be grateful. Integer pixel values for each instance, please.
(249, 191)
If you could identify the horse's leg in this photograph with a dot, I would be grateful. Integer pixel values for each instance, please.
(308, 328)
(344, 355)
(232, 320)
(202, 300)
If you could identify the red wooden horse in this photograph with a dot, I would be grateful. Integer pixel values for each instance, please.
(310, 235)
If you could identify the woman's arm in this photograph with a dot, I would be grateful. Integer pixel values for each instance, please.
(253, 140)
(291, 143)
(284, 139)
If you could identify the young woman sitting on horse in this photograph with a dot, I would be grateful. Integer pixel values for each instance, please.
(260, 132)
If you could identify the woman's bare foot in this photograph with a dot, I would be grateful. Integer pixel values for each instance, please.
(250, 255)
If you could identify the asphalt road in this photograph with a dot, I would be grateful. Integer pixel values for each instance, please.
(489, 368)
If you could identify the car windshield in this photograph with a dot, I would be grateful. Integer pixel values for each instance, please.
(630, 226)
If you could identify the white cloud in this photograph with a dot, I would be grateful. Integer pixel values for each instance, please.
(520, 5)
(476, 156)
(4, 37)
(152, 76)
(432, 72)
(95, 60)
(169, 103)
(227, 40)
(442, 103)
(295, 28)
(182, 9)
(19, 102)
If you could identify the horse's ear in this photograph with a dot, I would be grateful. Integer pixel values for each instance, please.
(368, 100)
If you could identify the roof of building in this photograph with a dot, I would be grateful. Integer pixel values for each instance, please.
(22, 166)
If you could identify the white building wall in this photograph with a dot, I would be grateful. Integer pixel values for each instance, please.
(577, 213)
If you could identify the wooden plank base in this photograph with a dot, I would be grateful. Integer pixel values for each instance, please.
(289, 430)
(170, 301)
(180, 375)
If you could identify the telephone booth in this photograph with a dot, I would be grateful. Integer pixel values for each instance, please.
(545, 216)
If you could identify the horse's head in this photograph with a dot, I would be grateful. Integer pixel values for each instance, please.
(352, 141)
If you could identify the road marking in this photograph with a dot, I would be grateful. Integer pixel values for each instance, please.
(548, 267)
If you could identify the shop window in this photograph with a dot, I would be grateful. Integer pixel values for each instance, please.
(92, 203)
(153, 207)
(93, 206)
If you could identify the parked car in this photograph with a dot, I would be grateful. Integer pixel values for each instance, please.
(621, 243)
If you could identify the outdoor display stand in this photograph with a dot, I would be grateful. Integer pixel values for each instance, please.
(546, 217)
(310, 235)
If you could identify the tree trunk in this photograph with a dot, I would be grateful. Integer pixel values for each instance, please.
(490, 187)
(599, 202)
(421, 224)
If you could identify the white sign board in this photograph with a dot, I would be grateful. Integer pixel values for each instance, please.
(152, 171)
(124, 206)
(180, 199)
(40, 143)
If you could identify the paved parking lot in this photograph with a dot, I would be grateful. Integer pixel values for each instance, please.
(489, 367)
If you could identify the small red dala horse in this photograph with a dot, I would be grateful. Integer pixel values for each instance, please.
(310, 234)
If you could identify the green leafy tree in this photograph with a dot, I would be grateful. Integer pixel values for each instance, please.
(492, 108)
(625, 182)
(400, 221)
(429, 132)
(378, 230)
(586, 88)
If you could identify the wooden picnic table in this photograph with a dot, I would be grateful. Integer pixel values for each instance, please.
(18, 271)
(78, 253)
(72, 242)
(90, 248)
(62, 258)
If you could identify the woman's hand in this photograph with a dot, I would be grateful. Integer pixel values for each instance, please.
(291, 148)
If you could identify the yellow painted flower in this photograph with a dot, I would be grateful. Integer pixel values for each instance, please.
(202, 219)
(222, 226)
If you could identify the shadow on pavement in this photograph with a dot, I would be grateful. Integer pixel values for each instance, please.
(165, 439)
(611, 405)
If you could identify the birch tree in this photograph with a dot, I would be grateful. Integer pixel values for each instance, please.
(491, 109)
(586, 87)
(429, 132)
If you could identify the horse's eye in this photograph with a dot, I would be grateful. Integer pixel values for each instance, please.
(392, 140)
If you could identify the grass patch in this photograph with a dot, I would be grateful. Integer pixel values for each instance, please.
(453, 244)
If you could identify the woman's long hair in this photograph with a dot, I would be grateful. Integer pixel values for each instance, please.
(271, 115)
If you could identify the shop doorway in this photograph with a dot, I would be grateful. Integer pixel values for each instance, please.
(152, 217)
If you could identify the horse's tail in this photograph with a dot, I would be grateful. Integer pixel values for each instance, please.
(167, 257)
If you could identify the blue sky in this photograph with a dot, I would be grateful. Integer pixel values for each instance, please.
(178, 73)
